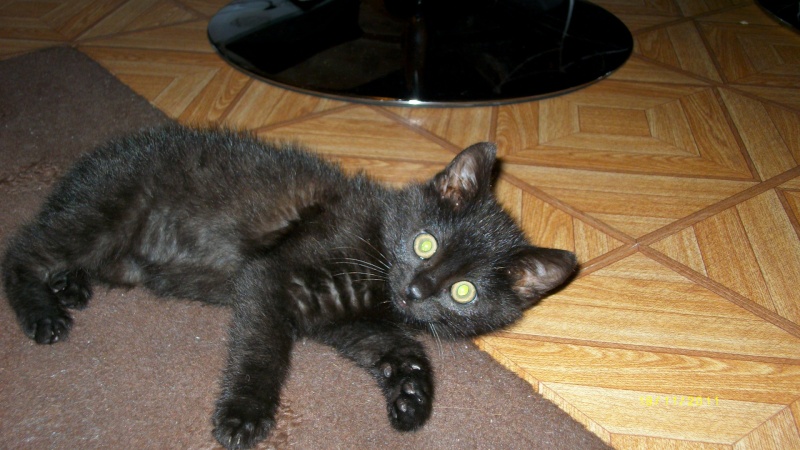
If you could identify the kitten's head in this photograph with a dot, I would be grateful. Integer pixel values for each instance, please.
(460, 263)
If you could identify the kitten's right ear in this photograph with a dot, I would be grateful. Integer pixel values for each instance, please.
(537, 271)
(468, 175)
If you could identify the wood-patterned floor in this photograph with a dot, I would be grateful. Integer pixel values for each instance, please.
(676, 181)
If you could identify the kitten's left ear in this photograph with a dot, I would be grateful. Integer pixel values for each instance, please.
(537, 271)
(468, 175)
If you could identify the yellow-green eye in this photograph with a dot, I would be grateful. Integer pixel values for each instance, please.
(425, 245)
(463, 292)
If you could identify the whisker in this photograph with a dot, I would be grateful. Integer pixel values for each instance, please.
(380, 256)
(432, 327)
(361, 263)
(369, 276)
(380, 259)
(355, 272)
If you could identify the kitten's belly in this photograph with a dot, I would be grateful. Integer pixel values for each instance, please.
(172, 254)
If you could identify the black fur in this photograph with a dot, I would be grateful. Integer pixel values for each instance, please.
(294, 245)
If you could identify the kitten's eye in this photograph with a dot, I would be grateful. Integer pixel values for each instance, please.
(425, 245)
(463, 292)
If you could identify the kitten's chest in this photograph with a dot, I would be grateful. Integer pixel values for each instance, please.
(333, 292)
(334, 268)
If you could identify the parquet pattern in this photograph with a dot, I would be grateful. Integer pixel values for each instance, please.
(676, 182)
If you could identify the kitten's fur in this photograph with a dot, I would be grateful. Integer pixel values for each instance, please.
(295, 246)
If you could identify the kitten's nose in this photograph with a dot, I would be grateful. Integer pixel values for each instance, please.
(420, 288)
(413, 292)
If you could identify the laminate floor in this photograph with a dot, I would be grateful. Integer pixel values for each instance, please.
(676, 182)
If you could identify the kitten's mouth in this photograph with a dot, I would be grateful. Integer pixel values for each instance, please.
(415, 311)
(403, 304)
(406, 308)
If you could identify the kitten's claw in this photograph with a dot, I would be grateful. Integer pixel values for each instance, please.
(241, 423)
(409, 394)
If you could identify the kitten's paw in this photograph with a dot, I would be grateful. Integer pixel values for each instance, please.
(409, 393)
(72, 288)
(241, 423)
(47, 328)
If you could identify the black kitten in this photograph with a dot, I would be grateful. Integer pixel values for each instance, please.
(295, 246)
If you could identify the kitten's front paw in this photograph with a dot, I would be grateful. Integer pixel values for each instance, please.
(409, 393)
(72, 288)
(47, 328)
(241, 423)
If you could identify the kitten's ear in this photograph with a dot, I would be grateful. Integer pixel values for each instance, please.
(537, 271)
(468, 175)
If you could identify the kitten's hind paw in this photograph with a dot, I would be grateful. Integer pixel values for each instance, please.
(241, 423)
(47, 328)
(409, 394)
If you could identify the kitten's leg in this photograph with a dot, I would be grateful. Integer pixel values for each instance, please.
(40, 289)
(258, 361)
(397, 361)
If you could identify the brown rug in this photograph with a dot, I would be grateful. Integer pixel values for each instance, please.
(138, 372)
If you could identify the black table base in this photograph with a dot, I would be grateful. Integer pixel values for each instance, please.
(414, 52)
(786, 12)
